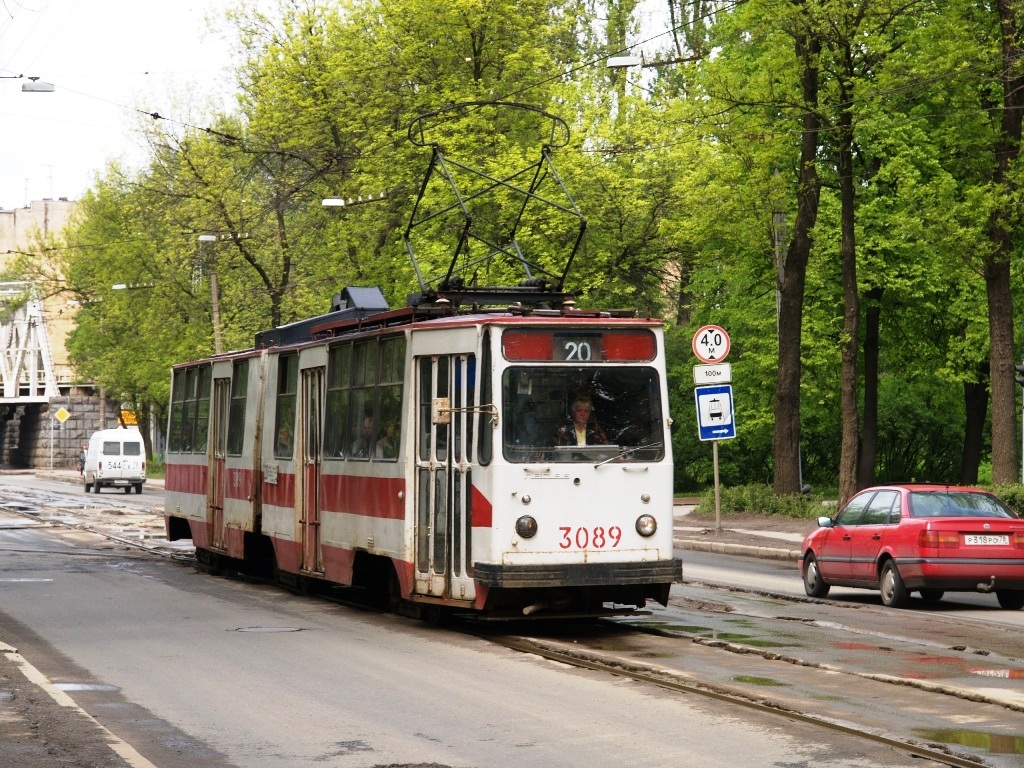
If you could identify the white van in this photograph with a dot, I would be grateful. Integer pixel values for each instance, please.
(115, 457)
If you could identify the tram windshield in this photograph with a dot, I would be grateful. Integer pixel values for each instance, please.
(582, 414)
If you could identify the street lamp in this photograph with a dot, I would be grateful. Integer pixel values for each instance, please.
(35, 86)
(341, 202)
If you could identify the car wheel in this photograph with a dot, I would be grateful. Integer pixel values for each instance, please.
(894, 593)
(138, 488)
(813, 585)
(1010, 599)
(931, 595)
(88, 486)
(95, 486)
(127, 489)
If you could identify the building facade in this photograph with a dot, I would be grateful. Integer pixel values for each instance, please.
(41, 431)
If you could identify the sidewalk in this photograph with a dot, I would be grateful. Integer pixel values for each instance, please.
(778, 539)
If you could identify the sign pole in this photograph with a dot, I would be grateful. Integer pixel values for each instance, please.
(718, 488)
(715, 417)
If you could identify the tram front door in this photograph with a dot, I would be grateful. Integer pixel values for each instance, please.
(308, 468)
(445, 436)
(218, 450)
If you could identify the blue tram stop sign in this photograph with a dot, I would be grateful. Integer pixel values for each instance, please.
(716, 419)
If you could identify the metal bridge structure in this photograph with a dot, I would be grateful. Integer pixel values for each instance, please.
(26, 361)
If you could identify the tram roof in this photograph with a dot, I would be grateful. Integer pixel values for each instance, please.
(365, 310)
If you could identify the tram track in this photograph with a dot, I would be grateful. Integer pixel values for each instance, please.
(663, 679)
(659, 676)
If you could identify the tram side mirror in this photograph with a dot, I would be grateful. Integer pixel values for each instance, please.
(441, 411)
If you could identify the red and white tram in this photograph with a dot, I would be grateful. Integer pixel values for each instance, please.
(414, 450)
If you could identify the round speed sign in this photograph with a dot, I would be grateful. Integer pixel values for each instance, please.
(711, 344)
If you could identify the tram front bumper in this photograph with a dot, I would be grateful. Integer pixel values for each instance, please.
(578, 574)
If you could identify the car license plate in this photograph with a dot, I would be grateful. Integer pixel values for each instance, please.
(986, 540)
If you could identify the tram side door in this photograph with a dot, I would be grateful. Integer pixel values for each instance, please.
(220, 409)
(308, 477)
(445, 437)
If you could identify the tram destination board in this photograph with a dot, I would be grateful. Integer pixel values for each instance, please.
(579, 346)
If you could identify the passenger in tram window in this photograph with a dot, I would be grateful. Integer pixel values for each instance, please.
(582, 428)
(363, 447)
(284, 440)
(387, 446)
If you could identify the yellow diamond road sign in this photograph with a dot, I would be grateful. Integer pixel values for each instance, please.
(63, 415)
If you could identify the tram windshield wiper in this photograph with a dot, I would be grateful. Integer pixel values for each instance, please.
(626, 451)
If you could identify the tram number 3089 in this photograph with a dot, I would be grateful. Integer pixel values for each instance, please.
(593, 538)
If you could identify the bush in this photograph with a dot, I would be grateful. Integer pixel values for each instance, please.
(1012, 494)
(761, 499)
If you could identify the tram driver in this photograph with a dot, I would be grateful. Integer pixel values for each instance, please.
(582, 428)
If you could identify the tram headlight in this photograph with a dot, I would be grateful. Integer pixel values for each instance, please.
(526, 526)
(646, 525)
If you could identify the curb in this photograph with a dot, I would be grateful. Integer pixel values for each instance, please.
(744, 550)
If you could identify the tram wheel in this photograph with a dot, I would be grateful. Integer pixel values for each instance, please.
(434, 615)
(394, 593)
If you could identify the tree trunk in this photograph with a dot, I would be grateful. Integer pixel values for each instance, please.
(869, 434)
(975, 406)
(997, 265)
(791, 286)
(1001, 379)
(851, 312)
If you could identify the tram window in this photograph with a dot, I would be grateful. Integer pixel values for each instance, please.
(362, 421)
(425, 407)
(202, 428)
(625, 420)
(486, 442)
(389, 405)
(190, 410)
(442, 390)
(287, 381)
(177, 406)
(236, 416)
(339, 373)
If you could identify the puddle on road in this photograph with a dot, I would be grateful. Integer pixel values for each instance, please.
(763, 681)
(710, 633)
(996, 743)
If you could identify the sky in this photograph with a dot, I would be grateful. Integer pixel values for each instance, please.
(110, 61)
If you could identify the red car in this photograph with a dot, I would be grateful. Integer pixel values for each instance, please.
(929, 539)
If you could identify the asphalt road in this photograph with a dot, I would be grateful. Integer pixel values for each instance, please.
(170, 667)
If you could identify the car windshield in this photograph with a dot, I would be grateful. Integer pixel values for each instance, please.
(957, 504)
(584, 414)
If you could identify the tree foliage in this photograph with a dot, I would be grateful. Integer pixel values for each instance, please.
(729, 188)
